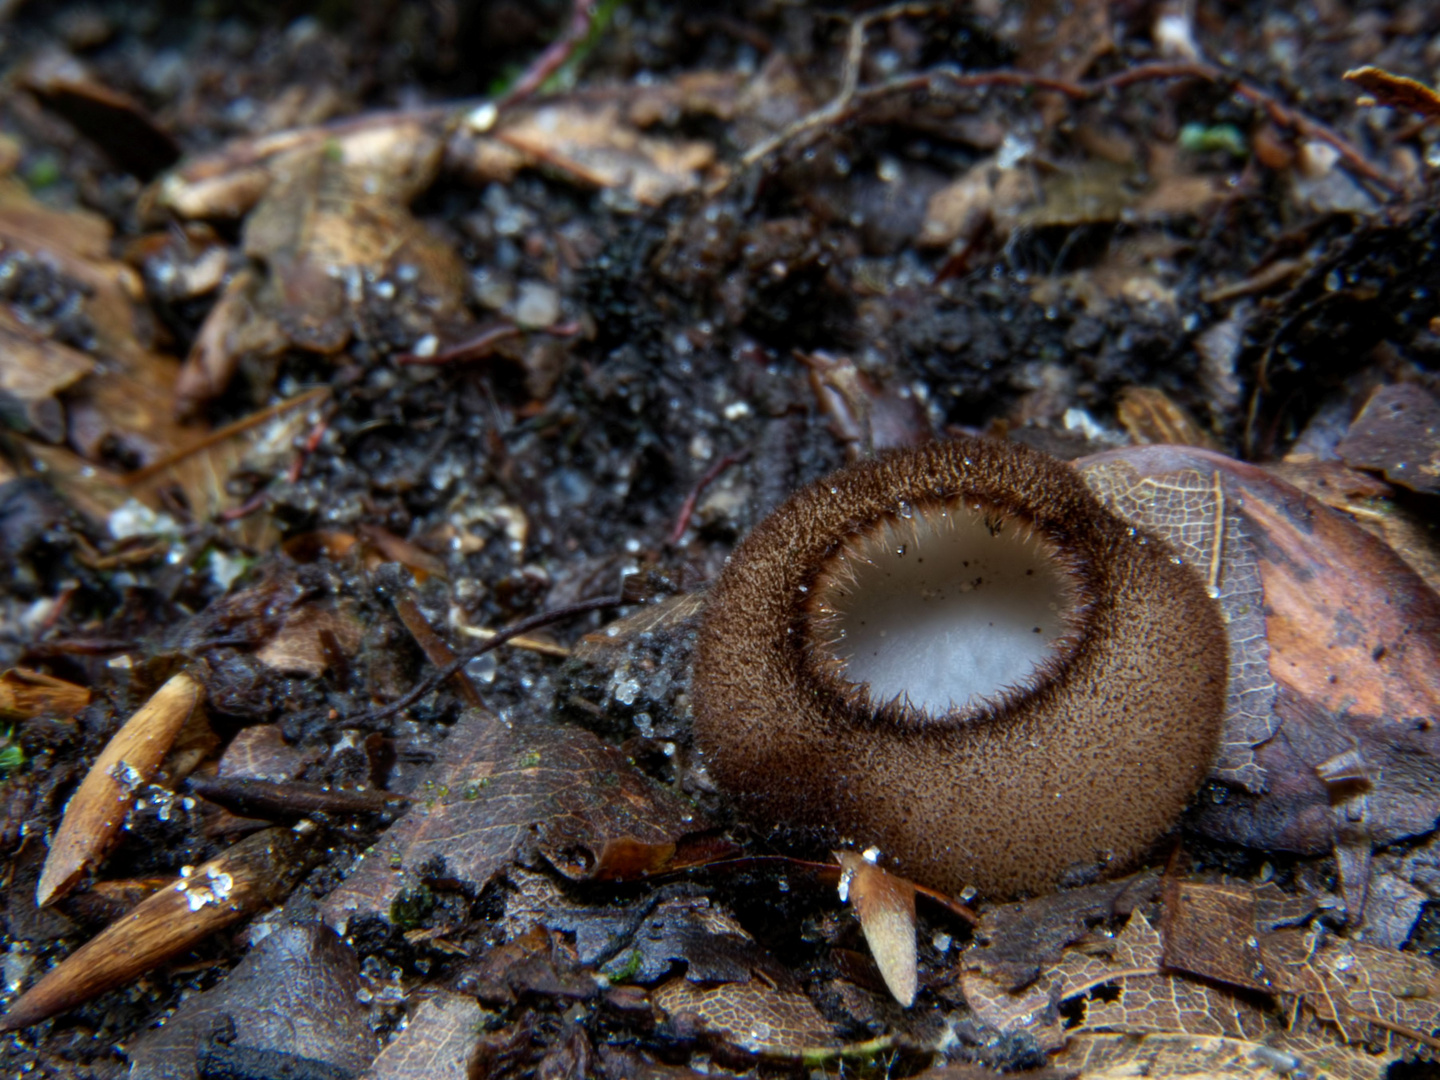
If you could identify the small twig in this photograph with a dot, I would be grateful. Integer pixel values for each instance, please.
(245, 423)
(245, 509)
(832, 110)
(687, 508)
(529, 644)
(484, 344)
(435, 649)
(524, 626)
(549, 61)
(475, 348)
(307, 448)
(851, 95)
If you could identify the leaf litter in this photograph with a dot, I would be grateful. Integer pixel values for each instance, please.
(654, 306)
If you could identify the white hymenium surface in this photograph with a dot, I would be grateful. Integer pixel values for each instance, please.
(944, 607)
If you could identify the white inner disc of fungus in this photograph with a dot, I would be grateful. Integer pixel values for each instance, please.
(944, 607)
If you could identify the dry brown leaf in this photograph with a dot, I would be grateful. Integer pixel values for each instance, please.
(500, 790)
(595, 143)
(234, 329)
(1372, 995)
(1151, 417)
(1210, 932)
(1188, 508)
(752, 1016)
(97, 810)
(129, 398)
(1398, 433)
(1161, 1057)
(26, 694)
(258, 871)
(885, 906)
(33, 370)
(1395, 90)
(228, 182)
(436, 1044)
(332, 214)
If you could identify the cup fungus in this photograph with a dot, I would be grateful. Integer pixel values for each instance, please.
(956, 654)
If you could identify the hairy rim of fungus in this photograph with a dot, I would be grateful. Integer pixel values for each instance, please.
(842, 684)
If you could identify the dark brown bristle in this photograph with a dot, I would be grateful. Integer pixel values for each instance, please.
(1084, 765)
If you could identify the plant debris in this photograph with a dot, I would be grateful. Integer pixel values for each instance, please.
(340, 344)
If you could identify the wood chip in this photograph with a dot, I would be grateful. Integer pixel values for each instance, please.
(256, 872)
(98, 809)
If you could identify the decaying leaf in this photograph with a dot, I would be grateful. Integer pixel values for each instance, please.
(291, 1004)
(1210, 932)
(436, 1044)
(33, 371)
(333, 214)
(259, 870)
(1393, 905)
(1365, 499)
(1188, 508)
(1000, 977)
(643, 942)
(753, 1017)
(502, 790)
(310, 638)
(1372, 995)
(1350, 687)
(1397, 91)
(1398, 433)
(537, 963)
(97, 810)
(260, 752)
(1149, 999)
(1123, 1057)
(1242, 993)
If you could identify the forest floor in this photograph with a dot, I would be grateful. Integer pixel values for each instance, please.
(336, 338)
